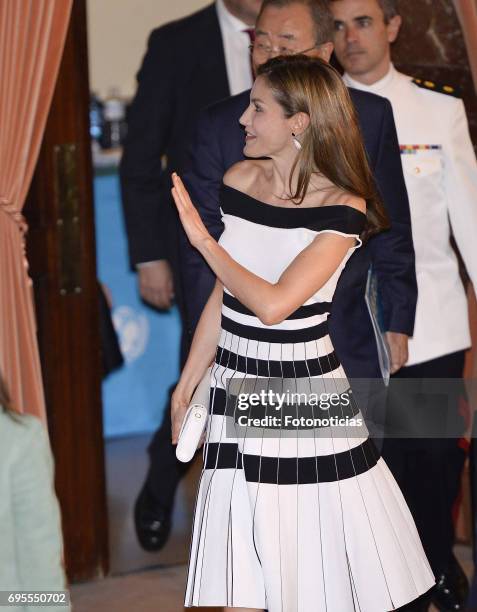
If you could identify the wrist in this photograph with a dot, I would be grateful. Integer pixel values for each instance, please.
(207, 245)
(187, 383)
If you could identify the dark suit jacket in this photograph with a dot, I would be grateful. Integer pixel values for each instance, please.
(218, 144)
(182, 72)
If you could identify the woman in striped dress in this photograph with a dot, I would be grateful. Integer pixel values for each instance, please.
(290, 517)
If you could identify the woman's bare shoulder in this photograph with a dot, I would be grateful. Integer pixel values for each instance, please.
(345, 198)
(243, 174)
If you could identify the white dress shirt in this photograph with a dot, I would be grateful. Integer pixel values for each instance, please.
(441, 179)
(236, 48)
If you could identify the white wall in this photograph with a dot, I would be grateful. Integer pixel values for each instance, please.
(117, 37)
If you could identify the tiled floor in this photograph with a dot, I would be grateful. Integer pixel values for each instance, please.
(157, 590)
(141, 581)
(126, 466)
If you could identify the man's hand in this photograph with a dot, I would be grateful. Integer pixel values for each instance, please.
(156, 284)
(398, 352)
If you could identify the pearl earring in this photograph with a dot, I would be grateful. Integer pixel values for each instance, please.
(296, 142)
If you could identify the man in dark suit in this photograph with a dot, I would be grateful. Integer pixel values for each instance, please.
(189, 64)
(284, 26)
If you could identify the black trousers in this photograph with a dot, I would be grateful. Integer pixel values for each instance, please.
(428, 471)
(165, 471)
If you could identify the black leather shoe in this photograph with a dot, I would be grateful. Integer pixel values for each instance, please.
(153, 524)
(452, 589)
(459, 579)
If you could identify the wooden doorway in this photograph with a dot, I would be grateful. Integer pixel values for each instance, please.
(61, 253)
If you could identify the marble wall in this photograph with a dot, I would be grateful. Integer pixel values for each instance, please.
(431, 45)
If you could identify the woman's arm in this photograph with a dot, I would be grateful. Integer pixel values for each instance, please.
(270, 302)
(274, 302)
(201, 354)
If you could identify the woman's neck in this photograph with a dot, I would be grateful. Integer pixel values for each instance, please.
(279, 175)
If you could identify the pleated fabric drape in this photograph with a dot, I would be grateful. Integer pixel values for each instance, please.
(32, 36)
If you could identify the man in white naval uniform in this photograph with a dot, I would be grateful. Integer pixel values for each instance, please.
(440, 170)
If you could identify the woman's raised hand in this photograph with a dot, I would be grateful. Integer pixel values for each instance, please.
(190, 218)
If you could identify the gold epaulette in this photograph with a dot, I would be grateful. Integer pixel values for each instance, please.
(433, 86)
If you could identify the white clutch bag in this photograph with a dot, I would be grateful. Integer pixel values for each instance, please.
(195, 420)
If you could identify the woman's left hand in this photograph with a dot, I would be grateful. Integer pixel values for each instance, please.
(190, 218)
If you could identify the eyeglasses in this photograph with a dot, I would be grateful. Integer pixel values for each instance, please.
(262, 49)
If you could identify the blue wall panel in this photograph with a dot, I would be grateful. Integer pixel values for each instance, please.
(134, 397)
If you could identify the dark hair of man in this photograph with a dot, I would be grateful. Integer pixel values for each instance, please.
(332, 143)
(320, 13)
(389, 7)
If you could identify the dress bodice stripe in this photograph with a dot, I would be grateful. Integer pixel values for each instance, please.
(302, 312)
(337, 217)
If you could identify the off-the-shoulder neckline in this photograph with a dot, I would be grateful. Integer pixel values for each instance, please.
(260, 202)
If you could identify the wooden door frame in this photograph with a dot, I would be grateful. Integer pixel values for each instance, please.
(67, 311)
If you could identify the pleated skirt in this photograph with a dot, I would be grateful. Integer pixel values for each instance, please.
(297, 524)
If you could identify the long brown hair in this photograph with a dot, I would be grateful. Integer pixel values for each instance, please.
(332, 143)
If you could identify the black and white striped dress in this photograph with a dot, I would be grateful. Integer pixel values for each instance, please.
(294, 524)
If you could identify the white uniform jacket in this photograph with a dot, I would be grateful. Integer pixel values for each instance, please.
(440, 170)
